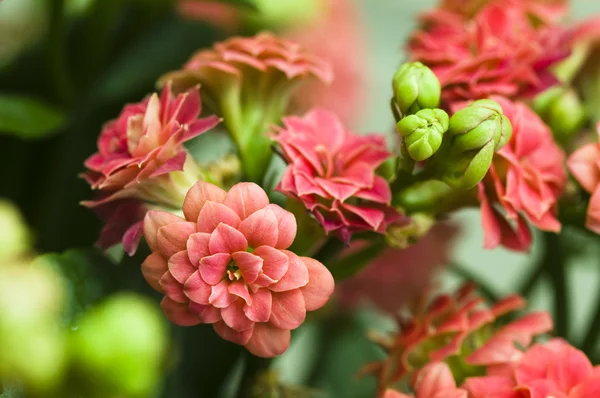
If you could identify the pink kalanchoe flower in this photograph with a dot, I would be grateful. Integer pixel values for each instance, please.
(544, 11)
(332, 172)
(226, 264)
(455, 326)
(584, 164)
(553, 369)
(435, 380)
(137, 154)
(498, 52)
(525, 180)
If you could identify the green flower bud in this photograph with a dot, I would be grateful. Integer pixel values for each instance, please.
(422, 132)
(475, 133)
(119, 348)
(416, 87)
(425, 196)
(563, 111)
(14, 235)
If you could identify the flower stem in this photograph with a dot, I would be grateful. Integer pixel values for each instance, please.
(253, 367)
(555, 266)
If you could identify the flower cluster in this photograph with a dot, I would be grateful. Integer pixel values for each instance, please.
(332, 172)
(226, 264)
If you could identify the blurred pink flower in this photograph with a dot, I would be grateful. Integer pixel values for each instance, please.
(584, 164)
(544, 11)
(498, 52)
(225, 264)
(553, 369)
(434, 381)
(441, 330)
(332, 172)
(136, 155)
(214, 12)
(400, 276)
(525, 180)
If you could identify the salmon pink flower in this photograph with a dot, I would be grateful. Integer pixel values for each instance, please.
(455, 327)
(525, 180)
(249, 81)
(226, 264)
(543, 11)
(498, 52)
(434, 381)
(332, 172)
(584, 164)
(553, 369)
(141, 158)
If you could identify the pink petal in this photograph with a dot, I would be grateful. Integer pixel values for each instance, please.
(491, 386)
(260, 228)
(268, 341)
(206, 313)
(172, 289)
(433, 379)
(320, 284)
(260, 310)
(197, 290)
(245, 198)
(235, 318)
(198, 195)
(214, 213)
(389, 393)
(131, 238)
(240, 289)
(220, 296)
(589, 388)
(153, 268)
(275, 262)
(592, 220)
(226, 239)
(288, 310)
(583, 165)
(173, 164)
(249, 264)
(213, 268)
(295, 277)
(178, 313)
(571, 369)
(287, 226)
(173, 238)
(197, 247)
(180, 266)
(229, 334)
(153, 221)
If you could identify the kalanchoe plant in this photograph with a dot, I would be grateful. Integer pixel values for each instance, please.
(422, 132)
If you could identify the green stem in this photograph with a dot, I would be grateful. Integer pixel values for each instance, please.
(56, 53)
(253, 367)
(486, 290)
(555, 266)
(329, 251)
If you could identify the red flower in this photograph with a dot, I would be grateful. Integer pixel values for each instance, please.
(137, 154)
(332, 172)
(525, 180)
(498, 52)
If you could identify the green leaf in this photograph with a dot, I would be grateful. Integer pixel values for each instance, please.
(29, 118)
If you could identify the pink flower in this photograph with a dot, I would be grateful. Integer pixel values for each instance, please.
(137, 154)
(451, 326)
(498, 52)
(434, 381)
(332, 172)
(554, 369)
(584, 164)
(226, 264)
(345, 50)
(544, 11)
(525, 180)
(399, 276)
(217, 13)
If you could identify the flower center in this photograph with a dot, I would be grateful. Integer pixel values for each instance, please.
(233, 271)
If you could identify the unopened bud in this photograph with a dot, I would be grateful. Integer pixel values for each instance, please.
(422, 132)
(416, 87)
(563, 111)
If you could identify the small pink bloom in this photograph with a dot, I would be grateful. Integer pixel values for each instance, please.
(498, 52)
(226, 264)
(435, 380)
(137, 152)
(438, 332)
(584, 164)
(332, 172)
(399, 276)
(524, 182)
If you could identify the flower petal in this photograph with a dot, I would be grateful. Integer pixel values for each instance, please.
(287, 226)
(178, 313)
(260, 310)
(275, 262)
(153, 221)
(226, 239)
(295, 277)
(172, 238)
(320, 284)
(261, 228)
(229, 334)
(235, 317)
(240, 289)
(172, 289)
(180, 266)
(213, 268)
(197, 290)
(245, 198)
(197, 247)
(198, 195)
(288, 310)
(214, 213)
(153, 268)
(249, 264)
(206, 313)
(268, 341)
(220, 296)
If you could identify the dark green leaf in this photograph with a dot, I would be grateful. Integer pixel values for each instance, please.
(29, 118)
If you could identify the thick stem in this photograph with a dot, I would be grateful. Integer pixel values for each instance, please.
(555, 266)
(253, 367)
